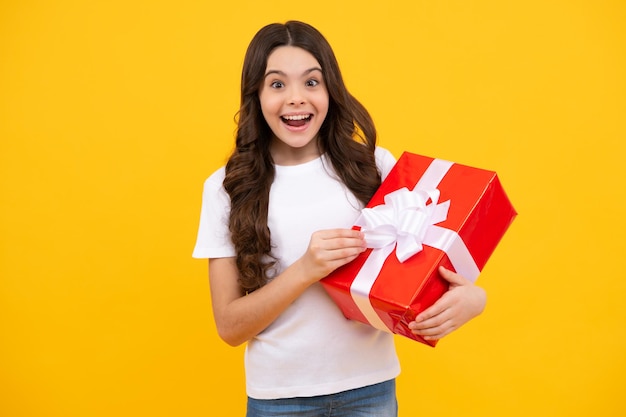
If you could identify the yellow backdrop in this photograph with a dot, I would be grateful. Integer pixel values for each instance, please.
(112, 113)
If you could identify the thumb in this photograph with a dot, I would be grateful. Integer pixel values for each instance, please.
(452, 277)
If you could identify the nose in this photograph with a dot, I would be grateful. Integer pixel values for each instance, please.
(296, 96)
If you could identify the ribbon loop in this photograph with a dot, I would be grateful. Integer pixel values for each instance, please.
(403, 220)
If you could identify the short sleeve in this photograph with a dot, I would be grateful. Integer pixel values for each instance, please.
(385, 161)
(213, 240)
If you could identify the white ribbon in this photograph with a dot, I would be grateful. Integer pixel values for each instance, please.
(405, 222)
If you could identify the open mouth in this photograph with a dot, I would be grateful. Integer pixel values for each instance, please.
(296, 120)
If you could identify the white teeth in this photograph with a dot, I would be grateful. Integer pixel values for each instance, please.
(297, 117)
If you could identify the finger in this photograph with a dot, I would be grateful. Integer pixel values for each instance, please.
(344, 253)
(435, 332)
(426, 322)
(339, 238)
(340, 233)
(439, 334)
(452, 277)
(329, 239)
(345, 243)
(441, 305)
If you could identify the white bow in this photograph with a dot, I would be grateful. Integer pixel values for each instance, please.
(403, 220)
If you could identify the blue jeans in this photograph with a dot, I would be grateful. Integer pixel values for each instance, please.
(377, 400)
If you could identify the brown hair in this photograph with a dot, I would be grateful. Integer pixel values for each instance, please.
(347, 136)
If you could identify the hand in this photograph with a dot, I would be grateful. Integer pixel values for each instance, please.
(462, 302)
(330, 249)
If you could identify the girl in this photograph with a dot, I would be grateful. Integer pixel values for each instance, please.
(277, 219)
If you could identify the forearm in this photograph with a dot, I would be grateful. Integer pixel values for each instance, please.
(241, 317)
(245, 317)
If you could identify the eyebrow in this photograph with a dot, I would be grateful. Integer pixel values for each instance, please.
(307, 72)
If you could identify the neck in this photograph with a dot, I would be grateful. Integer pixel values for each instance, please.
(286, 155)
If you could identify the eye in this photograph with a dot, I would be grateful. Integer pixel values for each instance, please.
(277, 84)
(312, 82)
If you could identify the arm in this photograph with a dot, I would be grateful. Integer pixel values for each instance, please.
(240, 317)
(462, 302)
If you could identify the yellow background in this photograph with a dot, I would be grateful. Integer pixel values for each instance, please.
(112, 113)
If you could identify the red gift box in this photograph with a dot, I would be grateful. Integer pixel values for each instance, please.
(410, 233)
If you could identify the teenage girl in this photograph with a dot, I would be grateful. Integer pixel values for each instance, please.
(277, 219)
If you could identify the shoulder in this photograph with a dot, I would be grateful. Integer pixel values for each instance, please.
(213, 191)
(384, 160)
(216, 179)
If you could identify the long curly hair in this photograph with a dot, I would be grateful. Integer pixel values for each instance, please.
(347, 137)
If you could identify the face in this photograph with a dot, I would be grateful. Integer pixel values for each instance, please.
(294, 102)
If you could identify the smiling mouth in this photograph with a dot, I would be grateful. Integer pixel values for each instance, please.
(296, 120)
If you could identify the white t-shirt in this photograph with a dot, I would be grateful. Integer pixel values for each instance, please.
(311, 348)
